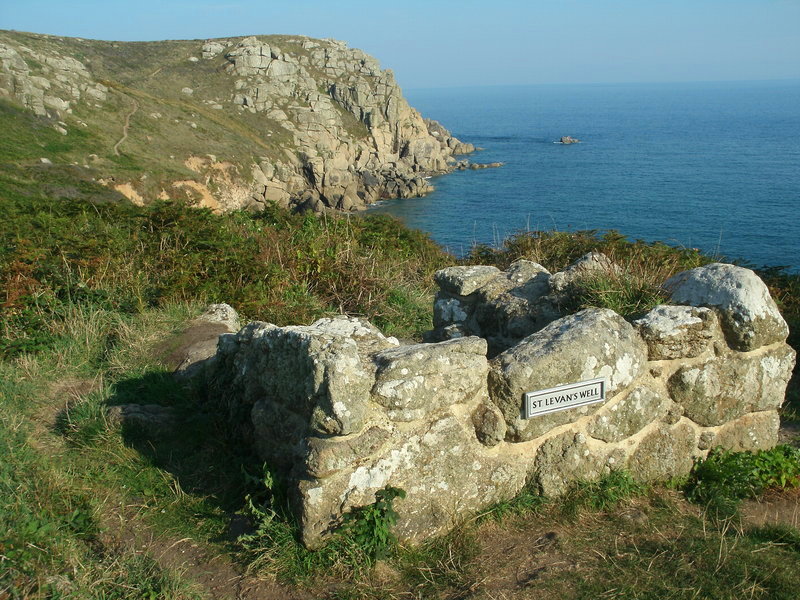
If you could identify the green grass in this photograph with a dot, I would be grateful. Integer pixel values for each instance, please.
(53, 495)
(273, 266)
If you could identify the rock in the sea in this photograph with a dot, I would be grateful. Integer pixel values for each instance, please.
(568, 140)
(492, 165)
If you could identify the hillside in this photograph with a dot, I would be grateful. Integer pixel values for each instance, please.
(230, 123)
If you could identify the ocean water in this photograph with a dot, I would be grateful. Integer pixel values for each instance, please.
(714, 166)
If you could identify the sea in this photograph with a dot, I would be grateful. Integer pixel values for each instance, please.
(713, 166)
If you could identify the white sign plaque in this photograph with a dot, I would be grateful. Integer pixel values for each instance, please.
(562, 397)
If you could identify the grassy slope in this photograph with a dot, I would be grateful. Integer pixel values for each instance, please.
(168, 126)
(89, 286)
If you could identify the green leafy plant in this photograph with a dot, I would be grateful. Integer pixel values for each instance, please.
(370, 527)
(724, 477)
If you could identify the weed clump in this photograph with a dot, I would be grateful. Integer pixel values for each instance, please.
(725, 478)
(272, 548)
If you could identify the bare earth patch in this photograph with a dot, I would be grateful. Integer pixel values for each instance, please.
(774, 508)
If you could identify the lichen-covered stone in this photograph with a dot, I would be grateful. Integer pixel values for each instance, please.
(445, 471)
(673, 332)
(490, 426)
(667, 451)
(341, 411)
(413, 381)
(502, 307)
(463, 281)
(449, 311)
(626, 416)
(328, 455)
(589, 344)
(750, 317)
(319, 372)
(563, 459)
(592, 263)
(513, 306)
(719, 390)
(193, 352)
(754, 431)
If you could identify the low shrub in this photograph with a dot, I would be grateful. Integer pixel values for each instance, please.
(724, 478)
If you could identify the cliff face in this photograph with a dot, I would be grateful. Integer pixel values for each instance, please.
(232, 123)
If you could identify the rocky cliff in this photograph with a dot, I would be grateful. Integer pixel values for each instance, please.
(229, 123)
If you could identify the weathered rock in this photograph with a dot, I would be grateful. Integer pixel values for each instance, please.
(193, 351)
(449, 311)
(442, 467)
(150, 419)
(667, 451)
(629, 415)
(568, 140)
(329, 455)
(492, 165)
(224, 314)
(490, 426)
(341, 411)
(349, 137)
(464, 280)
(673, 332)
(754, 431)
(414, 381)
(502, 307)
(212, 48)
(588, 265)
(590, 344)
(749, 316)
(719, 390)
(565, 458)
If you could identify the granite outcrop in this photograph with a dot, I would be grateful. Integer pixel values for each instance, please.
(334, 130)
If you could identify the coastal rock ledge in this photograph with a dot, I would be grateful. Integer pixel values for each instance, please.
(341, 411)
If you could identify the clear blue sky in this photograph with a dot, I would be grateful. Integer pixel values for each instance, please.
(467, 42)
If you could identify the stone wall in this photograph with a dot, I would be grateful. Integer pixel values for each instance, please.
(342, 411)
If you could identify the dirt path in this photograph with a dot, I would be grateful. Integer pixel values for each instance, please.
(126, 126)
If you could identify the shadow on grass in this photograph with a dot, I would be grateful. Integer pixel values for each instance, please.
(175, 429)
